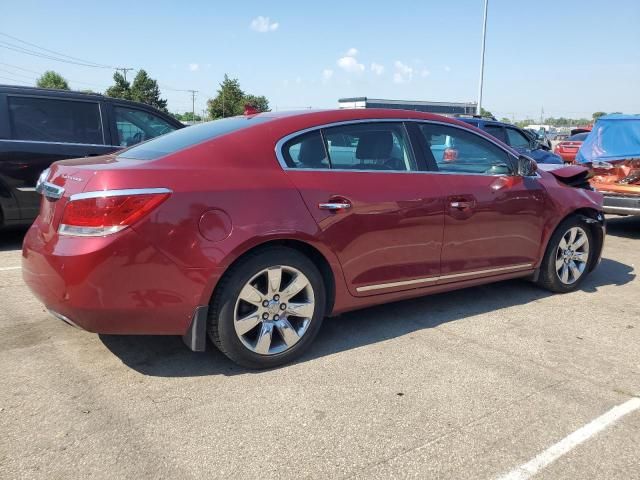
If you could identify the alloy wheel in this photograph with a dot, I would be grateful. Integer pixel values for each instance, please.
(572, 255)
(274, 309)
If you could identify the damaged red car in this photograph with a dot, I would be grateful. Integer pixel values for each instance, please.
(248, 231)
(612, 151)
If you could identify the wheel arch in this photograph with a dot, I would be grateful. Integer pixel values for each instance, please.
(319, 259)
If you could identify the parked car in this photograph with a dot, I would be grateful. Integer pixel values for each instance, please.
(39, 126)
(521, 140)
(612, 150)
(568, 149)
(542, 136)
(247, 230)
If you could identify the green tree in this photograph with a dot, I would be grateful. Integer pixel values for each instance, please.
(597, 115)
(187, 117)
(505, 120)
(485, 113)
(51, 79)
(230, 100)
(145, 89)
(120, 89)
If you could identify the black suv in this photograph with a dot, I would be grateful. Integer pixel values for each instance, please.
(39, 126)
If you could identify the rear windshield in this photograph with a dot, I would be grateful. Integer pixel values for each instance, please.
(188, 137)
(578, 137)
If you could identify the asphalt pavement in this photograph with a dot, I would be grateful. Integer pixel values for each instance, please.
(487, 382)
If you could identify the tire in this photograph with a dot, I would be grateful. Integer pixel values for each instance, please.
(560, 266)
(260, 318)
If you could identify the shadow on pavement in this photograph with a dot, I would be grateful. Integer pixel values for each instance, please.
(11, 239)
(168, 357)
(627, 227)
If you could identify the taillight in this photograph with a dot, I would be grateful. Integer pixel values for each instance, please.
(95, 214)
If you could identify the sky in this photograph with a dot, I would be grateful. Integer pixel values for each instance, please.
(568, 57)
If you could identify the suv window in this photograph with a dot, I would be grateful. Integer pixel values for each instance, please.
(53, 120)
(517, 139)
(463, 151)
(369, 146)
(135, 126)
(496, 131)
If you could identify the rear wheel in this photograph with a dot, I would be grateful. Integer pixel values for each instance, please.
(268, 308)
(568, 258)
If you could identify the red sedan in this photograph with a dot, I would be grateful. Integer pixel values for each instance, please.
(250, 230)
(568, 149)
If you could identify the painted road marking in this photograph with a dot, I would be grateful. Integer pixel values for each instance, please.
(4, 269)
(568, 443)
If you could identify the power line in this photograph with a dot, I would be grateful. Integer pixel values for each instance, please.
(59, 54)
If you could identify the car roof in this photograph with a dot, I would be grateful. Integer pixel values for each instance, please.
(485, 121)
(71, 94)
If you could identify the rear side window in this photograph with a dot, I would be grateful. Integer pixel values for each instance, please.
(496, 131)
(135, 126)
(53, 120)
(188, 137)
(306, 151)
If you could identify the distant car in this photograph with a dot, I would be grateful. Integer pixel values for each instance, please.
(612, 150)
(568, 149)
(517, 138)
(542, 136)
(249, 230)
(39, 126)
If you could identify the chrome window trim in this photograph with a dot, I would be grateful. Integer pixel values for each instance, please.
(115, 193)
(379, 286)
(280, 144)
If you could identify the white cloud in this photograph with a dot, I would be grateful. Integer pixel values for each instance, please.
(425, 73)
(327, 73)
(194, 67)
(403, 73)
(352, 52)
(263, 24)
(377, 68)
(447, 68)
(350, 64)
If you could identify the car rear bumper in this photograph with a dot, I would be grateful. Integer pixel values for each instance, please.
(622, 204)
(117, 284)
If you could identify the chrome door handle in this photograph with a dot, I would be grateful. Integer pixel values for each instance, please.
(461, 205)
(334, 206)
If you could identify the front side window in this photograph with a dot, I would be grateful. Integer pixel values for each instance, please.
(369, 146)
(54, 120)
(517, 139)
(135, 126)
(463, 151)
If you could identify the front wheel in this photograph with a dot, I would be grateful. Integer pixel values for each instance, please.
(268, 308)
(568, 258)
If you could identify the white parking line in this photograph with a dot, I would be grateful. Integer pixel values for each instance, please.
(4, 269)
(571, 441)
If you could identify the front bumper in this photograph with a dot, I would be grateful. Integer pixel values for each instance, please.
(621, 204)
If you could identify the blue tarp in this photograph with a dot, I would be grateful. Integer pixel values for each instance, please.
(614, 137)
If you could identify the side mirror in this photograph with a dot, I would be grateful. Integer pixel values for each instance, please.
(527, 166)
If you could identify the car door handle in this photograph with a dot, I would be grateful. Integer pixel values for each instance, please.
(334, 206)
(461, 205)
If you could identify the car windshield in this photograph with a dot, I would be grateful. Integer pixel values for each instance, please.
(188, 137)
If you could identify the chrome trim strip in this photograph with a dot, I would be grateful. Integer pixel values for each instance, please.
(115, 193)
(280, 143)
(397, 284)
(379, 286)
(26, 189)
(488, 270)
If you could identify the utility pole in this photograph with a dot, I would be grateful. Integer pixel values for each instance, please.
(124, 72)
(541, 115)
(484, 36)
(193, 104)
